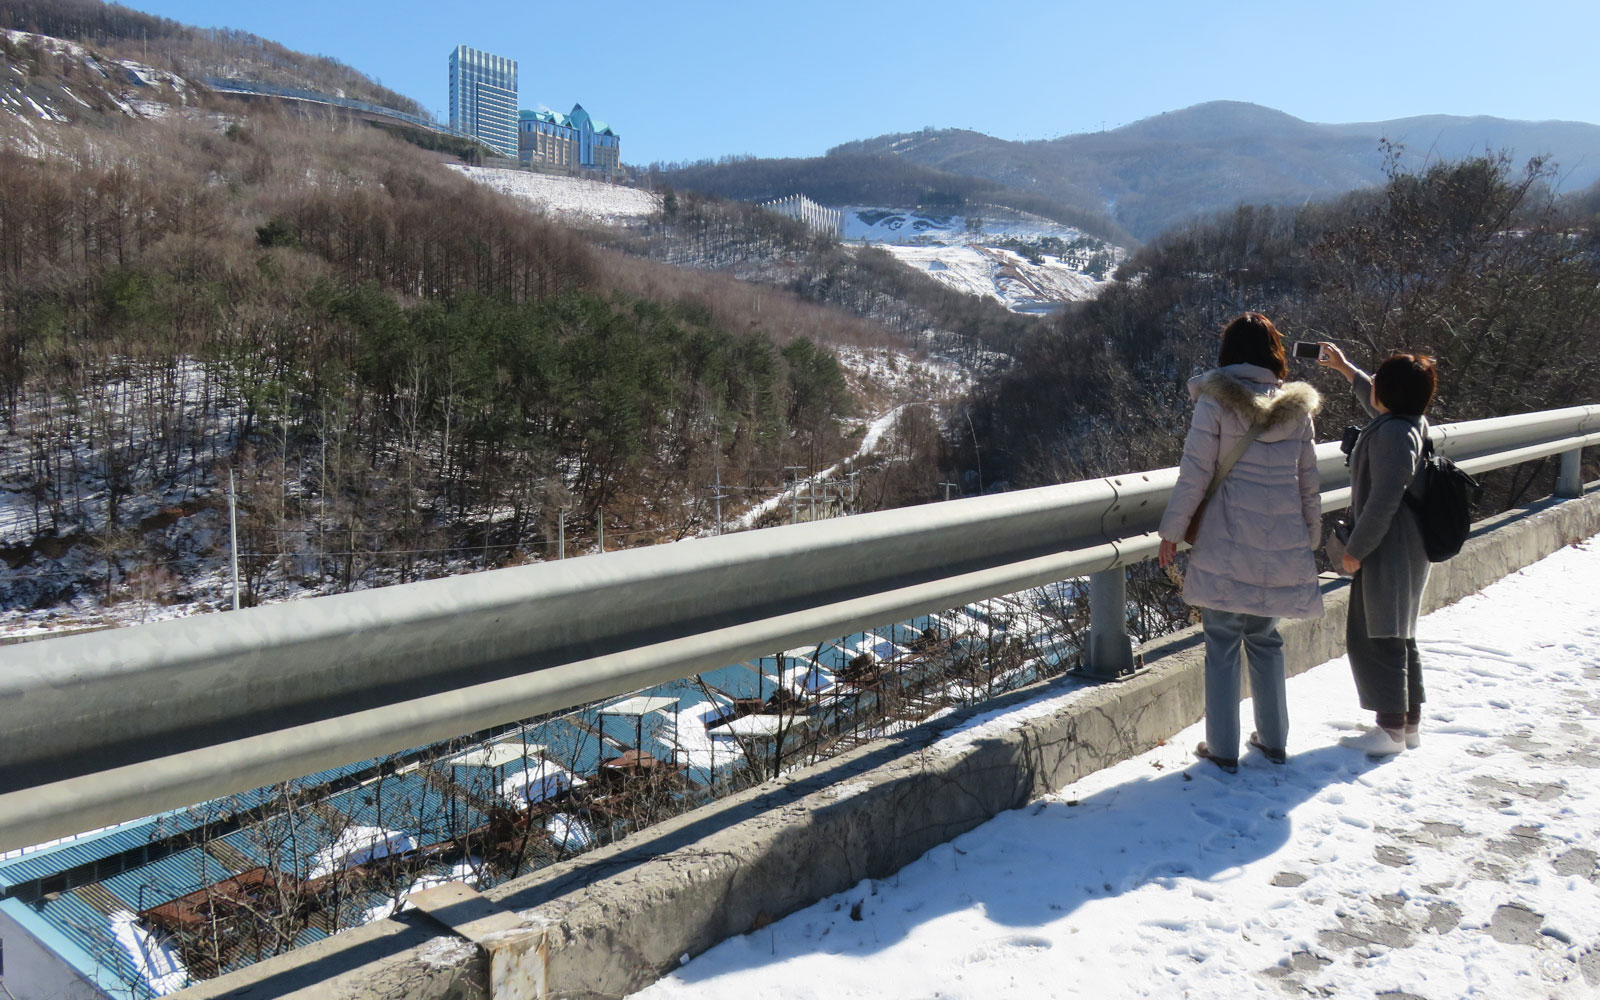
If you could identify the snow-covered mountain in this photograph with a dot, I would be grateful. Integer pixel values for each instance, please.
(1163, 170)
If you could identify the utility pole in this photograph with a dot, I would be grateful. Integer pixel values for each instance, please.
(716, 498)
(794, 492)
(811, 494)
(233, 538)
(977, 456)
(947, 487)
(600, 522)
(561, 535)
(717, 485)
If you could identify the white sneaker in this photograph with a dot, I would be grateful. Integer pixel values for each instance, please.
(1413, 738)
(1376, 742)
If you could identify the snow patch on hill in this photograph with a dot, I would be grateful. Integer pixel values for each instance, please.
(1002, 275)
(38, 108)
(887, 381)
(906, 226)
(1026, 263)
(574, 199)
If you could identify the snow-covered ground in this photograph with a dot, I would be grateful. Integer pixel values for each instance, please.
(925, 381)
(940, 246)
(900, 226)
(38, 112)
(569, 198)
(49, 43)
(1464, 868)
(1002, 275)
(897, 375)
(971, 259)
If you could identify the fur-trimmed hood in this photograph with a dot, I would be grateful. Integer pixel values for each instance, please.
(1243, 389)
(1253, 548)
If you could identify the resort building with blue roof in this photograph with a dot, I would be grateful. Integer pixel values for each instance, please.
(571, 141)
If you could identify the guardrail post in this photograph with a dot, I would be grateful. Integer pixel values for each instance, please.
(1110, 649)
(1570, 482)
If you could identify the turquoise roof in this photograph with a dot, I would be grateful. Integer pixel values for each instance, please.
(579, 115)
(554, 117)
(573, 120)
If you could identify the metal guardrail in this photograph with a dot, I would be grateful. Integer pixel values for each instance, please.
(100, 728)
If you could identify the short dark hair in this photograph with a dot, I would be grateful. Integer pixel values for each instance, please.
(1251, 339)
(1405, 383)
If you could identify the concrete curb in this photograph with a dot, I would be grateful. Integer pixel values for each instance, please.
(614, 920)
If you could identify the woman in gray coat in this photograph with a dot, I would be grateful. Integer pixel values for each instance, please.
(1385, 552)
(1252, 561)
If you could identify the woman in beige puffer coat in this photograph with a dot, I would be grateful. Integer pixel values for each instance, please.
(1252, 561)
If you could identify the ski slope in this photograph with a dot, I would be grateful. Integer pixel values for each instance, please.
(977, 253)
(1002, 275)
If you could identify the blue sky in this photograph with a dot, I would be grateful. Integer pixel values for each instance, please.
(696, 79)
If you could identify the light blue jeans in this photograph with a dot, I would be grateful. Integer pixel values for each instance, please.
(1227, 634)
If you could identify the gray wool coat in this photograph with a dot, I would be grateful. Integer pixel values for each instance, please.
(1384, 535)
(1253, 551)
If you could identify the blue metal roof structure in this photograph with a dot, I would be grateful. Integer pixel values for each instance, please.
(178, 875)
(64, 894)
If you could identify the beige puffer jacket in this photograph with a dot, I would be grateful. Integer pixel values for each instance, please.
(1253, 552)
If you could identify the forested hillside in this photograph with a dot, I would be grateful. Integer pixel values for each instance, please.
(395, 362)
(194, 53)
(1471, 261)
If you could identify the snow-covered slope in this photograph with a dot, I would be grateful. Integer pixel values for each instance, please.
(894, 225)
(887, 381)
(1004, 275)
(575, 199)
(1026, 263)
(42, 99)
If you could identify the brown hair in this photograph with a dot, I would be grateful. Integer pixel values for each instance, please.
(1251, 339)
(1405, 383)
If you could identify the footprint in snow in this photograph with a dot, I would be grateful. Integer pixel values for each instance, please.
(1006, 949)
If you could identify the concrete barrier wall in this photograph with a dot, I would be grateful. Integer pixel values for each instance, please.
(612, 921)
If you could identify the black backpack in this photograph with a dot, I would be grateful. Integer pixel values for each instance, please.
(1444, 511)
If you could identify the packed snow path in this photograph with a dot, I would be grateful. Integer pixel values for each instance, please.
(1464, 868)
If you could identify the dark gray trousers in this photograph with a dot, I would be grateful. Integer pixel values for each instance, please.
(1387, 669)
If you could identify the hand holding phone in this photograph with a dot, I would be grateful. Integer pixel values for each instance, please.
(1333, 357)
